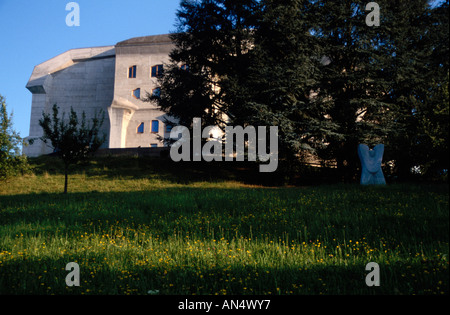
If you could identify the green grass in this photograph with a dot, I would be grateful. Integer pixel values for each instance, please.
(135, 225)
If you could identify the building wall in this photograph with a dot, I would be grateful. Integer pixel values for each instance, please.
(96, 79)
(127, 112)
(82, 79)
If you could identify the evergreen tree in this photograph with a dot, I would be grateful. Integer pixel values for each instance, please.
(433, 110)
(317, 71)
(249, 63)
(354, 84)
(283, 77)
(431, 145)
(212, 41)
(418, 42)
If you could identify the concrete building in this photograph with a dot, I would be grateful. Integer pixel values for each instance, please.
(113, 79)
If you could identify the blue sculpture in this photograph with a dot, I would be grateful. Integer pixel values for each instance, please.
(371, 172)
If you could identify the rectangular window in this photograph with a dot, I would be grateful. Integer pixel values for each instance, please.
(153, 145)
(155, 126)
(169, 128)
(157, 71)
(140, 129)
(132, 72)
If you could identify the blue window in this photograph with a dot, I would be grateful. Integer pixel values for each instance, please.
(157, 71)
(169, 128)
(156, 92)
(132, 72)
(140, 129)
(153, 145)
(155, 126)
(184, 67)
(137, 93)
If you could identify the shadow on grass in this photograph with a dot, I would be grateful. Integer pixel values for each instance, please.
(301, 214)
(99, 276)
(187, 172)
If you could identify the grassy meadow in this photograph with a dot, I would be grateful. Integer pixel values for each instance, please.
(140, 226)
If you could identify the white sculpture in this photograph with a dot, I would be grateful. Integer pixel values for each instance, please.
(371, 173)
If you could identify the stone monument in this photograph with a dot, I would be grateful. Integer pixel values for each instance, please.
(371, 173)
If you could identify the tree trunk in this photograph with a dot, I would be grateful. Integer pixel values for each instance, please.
(66, 171)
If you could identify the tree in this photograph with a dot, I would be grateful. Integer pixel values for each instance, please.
(354, 84)
(71, 140)
(318, 71)
(249, 63)
(418, 43)
(433, 130)
(11, 160)
(211, 49)
(435, 122)
(283, 75)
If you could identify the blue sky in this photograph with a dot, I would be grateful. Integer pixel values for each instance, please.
(33, 31)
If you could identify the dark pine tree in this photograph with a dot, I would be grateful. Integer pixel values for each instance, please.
(283, 77)
(211, 47)
(354, 83)
(418, 36)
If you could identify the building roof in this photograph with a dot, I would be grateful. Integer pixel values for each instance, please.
(42, 71)
(62, 61)
(145, 40)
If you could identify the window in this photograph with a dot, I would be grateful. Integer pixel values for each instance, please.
(169, 128)
(137, 93)
(157, 71)
(155, 126)
(140, 129)
(184, 67)
(132, 72)
(153, 145)
(156, 92)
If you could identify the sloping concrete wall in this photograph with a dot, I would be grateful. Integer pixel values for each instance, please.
(82, 79)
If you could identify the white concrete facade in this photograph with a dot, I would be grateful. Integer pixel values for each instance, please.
(98, 79)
